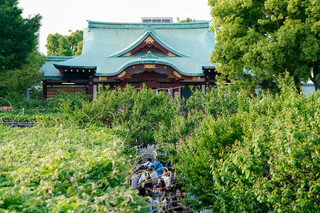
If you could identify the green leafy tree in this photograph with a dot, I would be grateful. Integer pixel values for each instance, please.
(18, 35)
(260, 158)
(256, 40)
(79, 48)
(69, 45)
(76, 40)
(186, 20)
(64, 48)
(53, 44)
(13, 82)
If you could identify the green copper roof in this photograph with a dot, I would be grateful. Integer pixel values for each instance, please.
(104, 43)
(48, 68)
(147, 26)
(142, 38)
(144, 61)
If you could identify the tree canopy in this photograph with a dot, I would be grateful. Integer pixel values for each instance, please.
(69, 45)
(13, 82)
(186, 20)
(240, 154)
(18, 35)
(19, 58)
(256, 40)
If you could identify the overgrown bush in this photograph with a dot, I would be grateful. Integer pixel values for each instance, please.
(59, 170)
(48, 112)
(264, 159)
(235, 154)
(191, 115)
(137, 112)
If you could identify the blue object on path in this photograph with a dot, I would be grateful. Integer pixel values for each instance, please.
(158, 167)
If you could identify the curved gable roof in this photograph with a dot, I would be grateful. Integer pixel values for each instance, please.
(144, 38)
(146, 61)
(105, 42)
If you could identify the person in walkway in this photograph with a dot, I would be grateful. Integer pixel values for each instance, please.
(148, 193)
(159, 197)
(143, 177)
(135, 180)
(153, 173)
(148, 163)
(158, 167)
(173, 176)
(148, 189)
(166, 177)
(168, 196)
(159, 191)
(175, 204)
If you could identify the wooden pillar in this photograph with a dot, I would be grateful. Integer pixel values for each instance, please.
(176, 92)
(203, 88)
(122, 85)
(170, 91)
(44, 89)
(90, 86)
(95, 90)
(207, 80)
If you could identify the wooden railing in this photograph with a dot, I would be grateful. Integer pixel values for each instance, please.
(18, 124)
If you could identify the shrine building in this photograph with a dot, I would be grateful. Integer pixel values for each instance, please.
(163, 56)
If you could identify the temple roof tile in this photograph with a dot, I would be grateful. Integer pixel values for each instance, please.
(104, 42)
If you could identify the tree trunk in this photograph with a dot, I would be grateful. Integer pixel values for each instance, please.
(267, 84)
(297, 83)
(316, 75)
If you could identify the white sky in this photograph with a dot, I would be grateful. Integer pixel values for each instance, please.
(60, 16)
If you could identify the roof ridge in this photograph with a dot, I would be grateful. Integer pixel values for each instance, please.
(124, 25)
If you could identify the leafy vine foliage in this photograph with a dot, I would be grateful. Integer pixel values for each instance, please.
(137, 113)
(261, 157)
(64, 169)
(233, 152)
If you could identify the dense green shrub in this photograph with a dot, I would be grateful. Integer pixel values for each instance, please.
(49, 112)
(36, 101)
(198, 107)
(261, 160)
(235, 154)
(210, 143)
(137, 112)
(60, 170)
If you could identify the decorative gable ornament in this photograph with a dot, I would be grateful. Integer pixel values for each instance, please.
(150, 55)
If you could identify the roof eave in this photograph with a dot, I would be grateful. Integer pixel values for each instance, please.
(58, 66)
